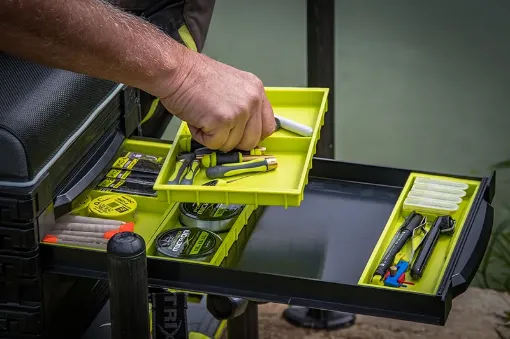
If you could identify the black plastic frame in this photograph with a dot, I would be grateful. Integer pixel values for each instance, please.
(309, 292)
(321, 65)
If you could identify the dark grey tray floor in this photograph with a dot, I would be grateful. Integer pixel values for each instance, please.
(329, 237)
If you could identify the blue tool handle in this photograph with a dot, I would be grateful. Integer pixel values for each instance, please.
(392, 280)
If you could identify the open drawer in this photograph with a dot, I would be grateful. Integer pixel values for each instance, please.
(318, 255)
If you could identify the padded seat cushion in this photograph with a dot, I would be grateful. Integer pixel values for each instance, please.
(40, 109)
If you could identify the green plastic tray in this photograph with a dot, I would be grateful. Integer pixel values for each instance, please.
(283, 186)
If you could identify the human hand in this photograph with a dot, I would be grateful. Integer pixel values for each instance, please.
(225, 108)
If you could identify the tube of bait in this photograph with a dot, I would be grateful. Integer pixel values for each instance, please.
(127, 227)
(69, 218)
(105, 235)
(80, 239)
(293, 126)
(55, 240)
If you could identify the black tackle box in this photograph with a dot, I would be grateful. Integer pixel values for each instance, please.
(58, 131)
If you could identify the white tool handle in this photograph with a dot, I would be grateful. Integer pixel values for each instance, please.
(295, 127)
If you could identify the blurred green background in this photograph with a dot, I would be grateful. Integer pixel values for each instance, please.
(421, 85)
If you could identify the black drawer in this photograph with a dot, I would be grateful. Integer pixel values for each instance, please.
(19, 264)
(315, 255)
(20, 322)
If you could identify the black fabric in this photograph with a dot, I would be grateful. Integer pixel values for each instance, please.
(40, 109)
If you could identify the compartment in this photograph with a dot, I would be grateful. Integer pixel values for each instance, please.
(440, 208)
(227, 238)
(150, 210)
(282, 186)
(22, 291)
(19, 265)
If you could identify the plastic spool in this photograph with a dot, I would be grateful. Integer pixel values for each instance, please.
(188, 243)
(212, 217)
(82, 206)
(118, 207)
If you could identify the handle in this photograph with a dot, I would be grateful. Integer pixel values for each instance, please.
(406, 231)
(474, 249)
(215, 159)
(89, 173)
(181, 166)
(192, 173)
(228, 170)
(429, 243)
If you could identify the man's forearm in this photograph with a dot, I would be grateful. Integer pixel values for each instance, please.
(90, 37)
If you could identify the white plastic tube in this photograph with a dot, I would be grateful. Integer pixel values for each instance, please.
(294, 127)
(414, 193)
(441, 182)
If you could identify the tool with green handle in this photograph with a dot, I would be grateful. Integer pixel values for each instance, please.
(181, 166)
(193, 170)
(228, 170)
(219, 158)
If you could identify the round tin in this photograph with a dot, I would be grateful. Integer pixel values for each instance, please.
(188, 243)
(211, 217)
(113, 206)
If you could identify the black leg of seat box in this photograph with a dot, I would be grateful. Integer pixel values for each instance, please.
(127, 275)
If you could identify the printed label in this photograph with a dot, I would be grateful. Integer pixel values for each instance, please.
(182, 243)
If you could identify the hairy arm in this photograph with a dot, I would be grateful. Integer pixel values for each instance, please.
(224, 107)
(94, 38)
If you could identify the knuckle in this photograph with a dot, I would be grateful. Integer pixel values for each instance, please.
(226, 121)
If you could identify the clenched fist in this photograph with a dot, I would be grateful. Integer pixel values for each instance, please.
(225, 108)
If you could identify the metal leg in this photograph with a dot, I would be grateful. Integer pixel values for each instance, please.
(246, 325)
(321, 65)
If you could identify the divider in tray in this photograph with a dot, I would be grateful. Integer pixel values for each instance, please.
(426, 200)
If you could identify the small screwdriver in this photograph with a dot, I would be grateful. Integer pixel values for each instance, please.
(228, 170)
(217, 158)
(194, 168)
(181, 166)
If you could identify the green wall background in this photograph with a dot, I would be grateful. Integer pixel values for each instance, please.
(421, 85)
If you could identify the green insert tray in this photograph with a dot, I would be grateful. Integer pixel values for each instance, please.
(283, 186)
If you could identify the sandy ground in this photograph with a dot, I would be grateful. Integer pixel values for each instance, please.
(474, 315)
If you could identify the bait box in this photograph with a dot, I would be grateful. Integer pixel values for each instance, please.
(283, 186)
